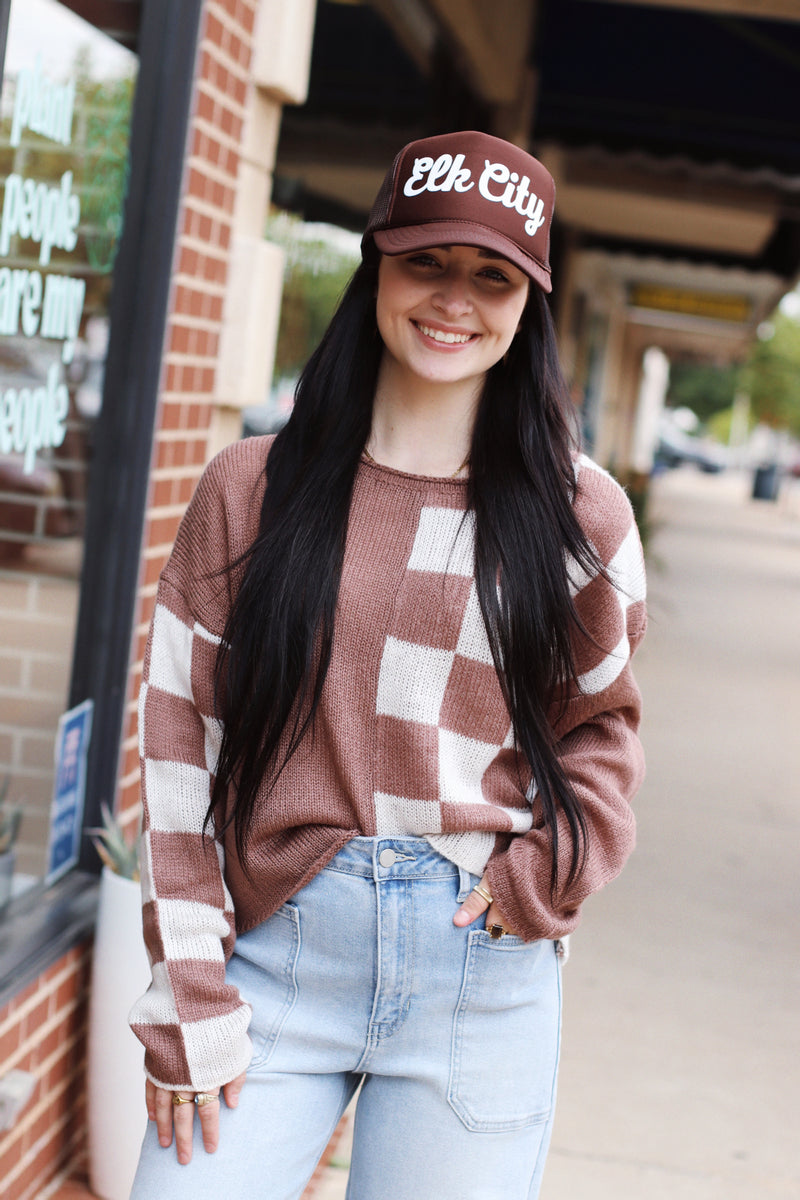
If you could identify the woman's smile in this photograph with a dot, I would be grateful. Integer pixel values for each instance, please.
(444, 336)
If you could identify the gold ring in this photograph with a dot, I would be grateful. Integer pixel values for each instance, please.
(496, 931)
(176, 1099)
(205, 1098)
(484, 895)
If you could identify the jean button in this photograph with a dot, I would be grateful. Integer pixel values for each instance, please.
(387, 858)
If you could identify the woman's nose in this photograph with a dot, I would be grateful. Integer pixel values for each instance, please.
(452, 295)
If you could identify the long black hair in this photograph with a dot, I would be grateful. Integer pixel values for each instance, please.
(277, 643)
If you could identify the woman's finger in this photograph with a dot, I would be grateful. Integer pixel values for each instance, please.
(183, 1122)
(162, 1105)
(474, 905)
(231, 1091)
(150, 1099)
(208, 1112)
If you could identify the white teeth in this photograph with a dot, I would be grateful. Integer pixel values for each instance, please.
(439, 336)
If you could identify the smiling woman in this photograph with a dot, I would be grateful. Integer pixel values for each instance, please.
(396, 692)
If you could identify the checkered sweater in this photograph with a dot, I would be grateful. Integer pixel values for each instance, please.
(412, 737)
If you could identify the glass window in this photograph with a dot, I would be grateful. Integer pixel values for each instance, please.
(64, 129)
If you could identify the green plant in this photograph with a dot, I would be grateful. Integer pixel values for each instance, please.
(116, 852)
(10, 819)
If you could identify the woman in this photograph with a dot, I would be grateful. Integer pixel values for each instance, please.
(389, 728)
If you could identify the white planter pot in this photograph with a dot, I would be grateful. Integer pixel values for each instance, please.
(120, 974)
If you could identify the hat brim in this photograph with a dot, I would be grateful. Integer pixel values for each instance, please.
(405, 238)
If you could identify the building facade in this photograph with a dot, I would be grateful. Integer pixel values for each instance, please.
(140, 144)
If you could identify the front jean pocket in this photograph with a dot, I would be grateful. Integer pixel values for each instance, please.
(506, 1034)
(264, 968)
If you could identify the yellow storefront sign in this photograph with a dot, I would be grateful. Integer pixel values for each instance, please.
(715, 306)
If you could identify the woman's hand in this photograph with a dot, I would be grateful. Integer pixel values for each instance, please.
(162, 1109)
(475, 904)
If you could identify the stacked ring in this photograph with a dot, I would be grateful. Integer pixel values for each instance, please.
(484, 895)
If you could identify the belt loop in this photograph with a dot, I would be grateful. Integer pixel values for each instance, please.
(465, 884)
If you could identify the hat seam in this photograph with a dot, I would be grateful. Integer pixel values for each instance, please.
(463, 221)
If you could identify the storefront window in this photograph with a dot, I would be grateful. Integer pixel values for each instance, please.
(64, 129)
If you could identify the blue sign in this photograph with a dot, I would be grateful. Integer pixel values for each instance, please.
(69, 788)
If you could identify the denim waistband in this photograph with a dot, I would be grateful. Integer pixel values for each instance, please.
(385, 858)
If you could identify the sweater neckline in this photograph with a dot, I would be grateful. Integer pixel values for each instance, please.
(409, 479)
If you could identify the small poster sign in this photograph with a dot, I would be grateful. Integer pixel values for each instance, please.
(69, 788)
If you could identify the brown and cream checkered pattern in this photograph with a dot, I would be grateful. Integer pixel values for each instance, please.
(412, 736)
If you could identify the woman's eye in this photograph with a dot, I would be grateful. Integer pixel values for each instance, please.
(493, 275)
(422, 260)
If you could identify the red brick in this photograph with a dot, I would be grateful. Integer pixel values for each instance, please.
(205, 106)
(162, 493)
(10, 1153)
(214, 30)
(163, 459)
(188, 262)
(186, 490)
(67, 993)
(227, 122)
(205, 65)
(48, 1045)
(164, 529)
(36, 1017)
(179, 340)
(130, 761)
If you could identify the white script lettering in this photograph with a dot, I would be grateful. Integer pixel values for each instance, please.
(21, 306)
(48, 216)
(33, 418)
(515, 195)
(42, 106)
(451, 171)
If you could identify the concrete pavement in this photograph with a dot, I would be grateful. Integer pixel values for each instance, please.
(681, 1064)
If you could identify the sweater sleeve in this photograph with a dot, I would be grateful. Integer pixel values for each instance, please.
(597, 730)
(193, 1025)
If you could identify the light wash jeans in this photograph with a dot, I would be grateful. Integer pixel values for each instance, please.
(362, 976)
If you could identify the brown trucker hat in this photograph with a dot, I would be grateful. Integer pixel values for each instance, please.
(468, 189)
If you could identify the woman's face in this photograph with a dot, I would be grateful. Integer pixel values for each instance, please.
(448, 314)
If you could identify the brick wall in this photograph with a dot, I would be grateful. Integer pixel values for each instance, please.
(201, 265)
(43, 1031)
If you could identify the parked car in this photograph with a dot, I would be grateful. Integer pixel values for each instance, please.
(676, 447)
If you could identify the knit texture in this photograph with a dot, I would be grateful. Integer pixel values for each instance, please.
(412, 736)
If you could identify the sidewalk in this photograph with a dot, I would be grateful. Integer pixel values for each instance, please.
(681, 1064)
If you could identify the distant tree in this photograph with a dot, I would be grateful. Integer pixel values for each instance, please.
(704, 388)
(771, 375)
(318, 266)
